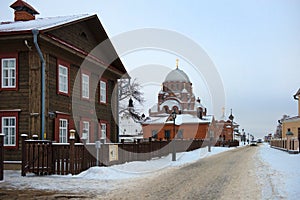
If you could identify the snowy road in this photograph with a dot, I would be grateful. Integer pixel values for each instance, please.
(228, 175)
(240, 173)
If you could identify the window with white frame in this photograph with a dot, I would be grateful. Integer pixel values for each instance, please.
(8, 73)
(63, 130)
(102, 92)
(63, 83)
(103, 131)
(86, 130)
(9, 130)
(85, 86)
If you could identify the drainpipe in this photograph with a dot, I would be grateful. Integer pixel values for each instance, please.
(35, 33)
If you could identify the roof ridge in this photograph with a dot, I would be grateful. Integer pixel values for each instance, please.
(40, 23)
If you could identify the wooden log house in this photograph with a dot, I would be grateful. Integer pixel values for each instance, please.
(65, 44)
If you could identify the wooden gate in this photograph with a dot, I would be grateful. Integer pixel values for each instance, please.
(36, 156)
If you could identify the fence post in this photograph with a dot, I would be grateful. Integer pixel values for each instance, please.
(35, 137)
(72, 150)
(150, 149)
(1, 156)
(24, 156)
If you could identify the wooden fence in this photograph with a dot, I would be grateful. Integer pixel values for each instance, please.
(1, 156)
(231, 143)
(291, 145)
(45, 157)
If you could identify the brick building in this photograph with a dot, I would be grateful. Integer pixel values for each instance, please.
(176, 96)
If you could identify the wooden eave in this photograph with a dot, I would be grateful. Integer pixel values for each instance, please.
(79, 52)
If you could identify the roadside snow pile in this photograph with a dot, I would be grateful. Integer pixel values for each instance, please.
(103, 179)
(141, 168)
(278, 174)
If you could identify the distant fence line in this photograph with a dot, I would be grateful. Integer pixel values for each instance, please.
(291, 145)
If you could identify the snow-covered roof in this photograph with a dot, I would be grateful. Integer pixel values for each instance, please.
(180, 119)
(198, 105)
(39, 23)
(154, 108)
(184, 91)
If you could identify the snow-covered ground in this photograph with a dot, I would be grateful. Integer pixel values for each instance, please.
(107, 177)
(277, 173)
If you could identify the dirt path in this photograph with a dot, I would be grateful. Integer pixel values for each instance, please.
(229, 175)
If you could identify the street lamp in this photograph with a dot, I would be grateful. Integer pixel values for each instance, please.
(248, 138)
(173, 115)
(231, 117)
(243, 136)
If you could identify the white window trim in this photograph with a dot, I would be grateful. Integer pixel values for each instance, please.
(103, 92)
(103, 131)
(63, 136)
(85, 86)
(9, 73)
(10, 142)
(86, 127)
(66, 76)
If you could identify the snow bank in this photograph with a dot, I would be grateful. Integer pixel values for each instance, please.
(142, 168)
(278, 173)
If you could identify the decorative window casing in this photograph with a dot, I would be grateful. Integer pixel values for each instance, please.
(85, 86)
(63, 130)
(103, 131)
(86, 130)
(63, 79)
(9, 71)
(9, 127)
(103, 91)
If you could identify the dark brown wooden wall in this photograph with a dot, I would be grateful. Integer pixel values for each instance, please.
(78, 35)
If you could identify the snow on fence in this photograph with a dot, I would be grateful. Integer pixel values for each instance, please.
(43, 157)
(291, 145)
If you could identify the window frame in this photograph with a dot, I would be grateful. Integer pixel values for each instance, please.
(84, 122)
(61, 63)
(107, 138)
(5, 56)
(82, 86)
(10, 114)
(60, 128)
(167, 134)
(180, 134)
(154, 134)
(100, 91)
(101, 131)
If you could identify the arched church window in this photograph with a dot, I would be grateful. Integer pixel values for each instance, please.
(166, 109)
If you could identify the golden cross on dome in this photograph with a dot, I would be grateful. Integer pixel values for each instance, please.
(223, 111)
(177, 61)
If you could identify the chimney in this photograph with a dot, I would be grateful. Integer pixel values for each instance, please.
(23, 11)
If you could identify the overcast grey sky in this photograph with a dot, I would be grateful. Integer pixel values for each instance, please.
(254, 44)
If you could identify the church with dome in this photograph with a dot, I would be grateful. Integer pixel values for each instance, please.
(176, 98)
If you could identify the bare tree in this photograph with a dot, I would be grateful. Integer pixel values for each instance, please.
(129, 89)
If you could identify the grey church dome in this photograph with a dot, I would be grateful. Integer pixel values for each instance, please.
(177, 75)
